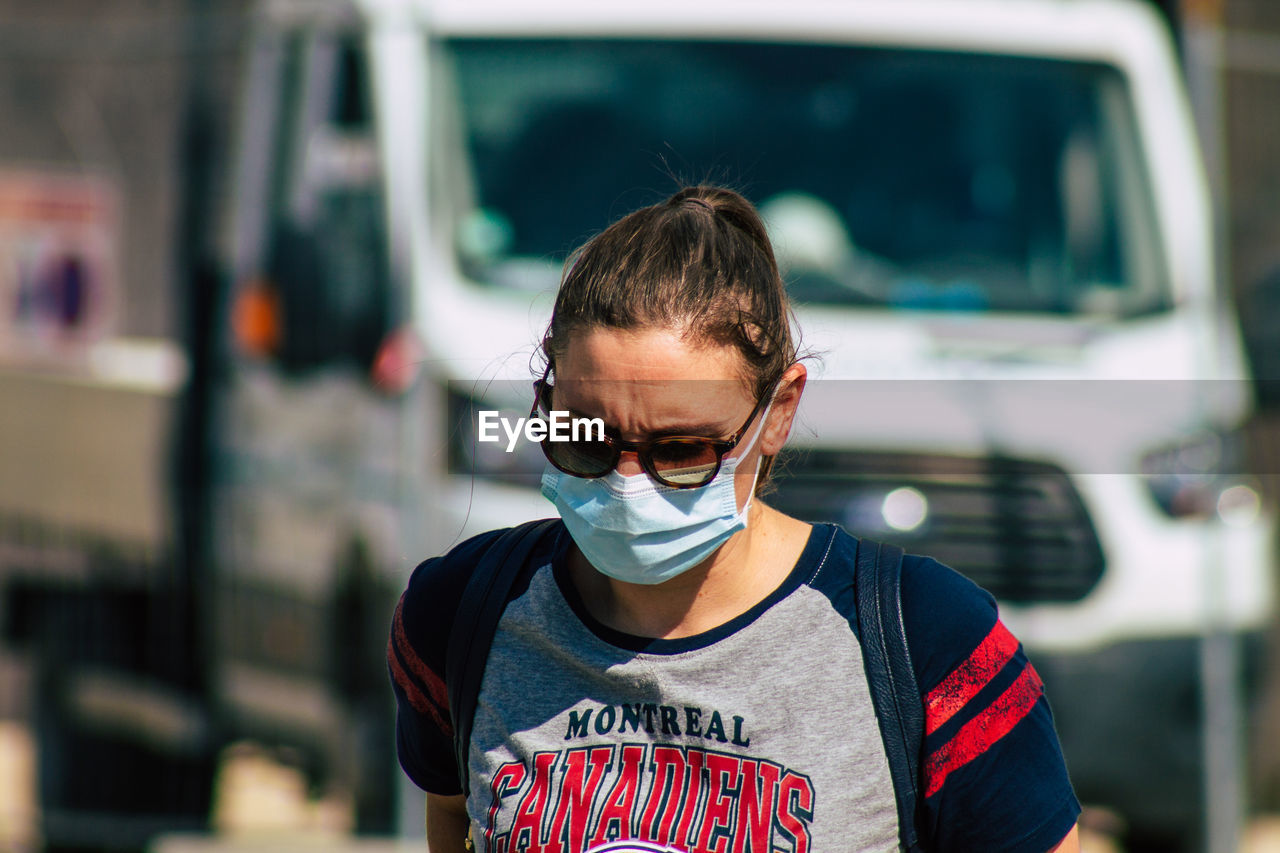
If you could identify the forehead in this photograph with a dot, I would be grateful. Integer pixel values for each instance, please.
(646, 355)
(649, 379)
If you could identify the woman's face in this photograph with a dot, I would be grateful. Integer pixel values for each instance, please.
(649, 382)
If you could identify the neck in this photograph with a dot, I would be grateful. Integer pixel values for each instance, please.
(742, 573)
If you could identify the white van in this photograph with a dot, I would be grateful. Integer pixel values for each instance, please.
(995, 226)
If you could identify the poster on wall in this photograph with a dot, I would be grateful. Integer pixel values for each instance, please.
(59, 265)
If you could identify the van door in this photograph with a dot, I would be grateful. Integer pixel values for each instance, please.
(306, 488)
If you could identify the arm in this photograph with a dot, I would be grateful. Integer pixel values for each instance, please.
(993, 772)
(1070, 844)
(416, 658)
(447, 824)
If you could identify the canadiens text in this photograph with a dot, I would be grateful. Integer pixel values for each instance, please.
(691, 798)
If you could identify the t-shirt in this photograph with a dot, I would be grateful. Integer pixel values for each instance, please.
(759, 735)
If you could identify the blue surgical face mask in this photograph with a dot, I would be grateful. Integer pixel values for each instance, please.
(638, 531)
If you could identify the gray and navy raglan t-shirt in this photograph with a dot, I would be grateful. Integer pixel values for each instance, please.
(757, 736)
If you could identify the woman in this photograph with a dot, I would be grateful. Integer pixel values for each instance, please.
(676, 664)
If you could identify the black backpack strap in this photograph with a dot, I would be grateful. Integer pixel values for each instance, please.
(479, 610)
(894, 692)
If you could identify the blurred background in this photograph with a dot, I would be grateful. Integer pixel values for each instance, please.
(245, 248)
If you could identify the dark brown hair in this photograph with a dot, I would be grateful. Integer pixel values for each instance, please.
(700, 262)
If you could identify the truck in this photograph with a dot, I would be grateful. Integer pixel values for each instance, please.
(994, 223)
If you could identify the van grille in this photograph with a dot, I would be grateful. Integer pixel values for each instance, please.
(1017, 528)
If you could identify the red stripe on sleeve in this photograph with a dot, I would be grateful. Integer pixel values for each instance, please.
(966, 680)
(399, 647)
(979, 734)
(434, 683)
(416, 697)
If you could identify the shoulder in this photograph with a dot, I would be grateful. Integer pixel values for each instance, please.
(427, 609)
(947, 618)
(945, 615)
(943, 611)
(992, 770)
(423, 620)
(439, 581)
(425, 614)
(417, 655)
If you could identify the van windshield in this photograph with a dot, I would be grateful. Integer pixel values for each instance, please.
(887, 177)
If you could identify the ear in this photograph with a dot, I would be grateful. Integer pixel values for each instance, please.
(786, 399)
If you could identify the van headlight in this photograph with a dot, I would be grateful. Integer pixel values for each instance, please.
(1202, 477)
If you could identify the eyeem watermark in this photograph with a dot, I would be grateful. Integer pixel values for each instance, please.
(557, 426)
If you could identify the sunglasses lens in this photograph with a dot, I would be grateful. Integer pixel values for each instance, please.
(684, 462)
(676, 461)
(582, 458)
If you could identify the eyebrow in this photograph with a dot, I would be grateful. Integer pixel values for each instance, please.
(701, 430)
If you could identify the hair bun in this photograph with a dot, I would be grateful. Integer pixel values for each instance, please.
(694, 201)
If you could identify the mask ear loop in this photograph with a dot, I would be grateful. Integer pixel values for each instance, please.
(764, 418)
(755, 476)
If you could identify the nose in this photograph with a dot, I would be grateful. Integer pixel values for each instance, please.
(629, 463)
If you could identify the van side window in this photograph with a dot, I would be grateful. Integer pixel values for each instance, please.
(326, 241)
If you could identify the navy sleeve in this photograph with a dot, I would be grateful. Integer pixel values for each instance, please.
(993, 774)
(416, 656)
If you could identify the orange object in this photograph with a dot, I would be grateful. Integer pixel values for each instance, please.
(255, 319)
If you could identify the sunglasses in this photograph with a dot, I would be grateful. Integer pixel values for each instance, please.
(678, 461)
